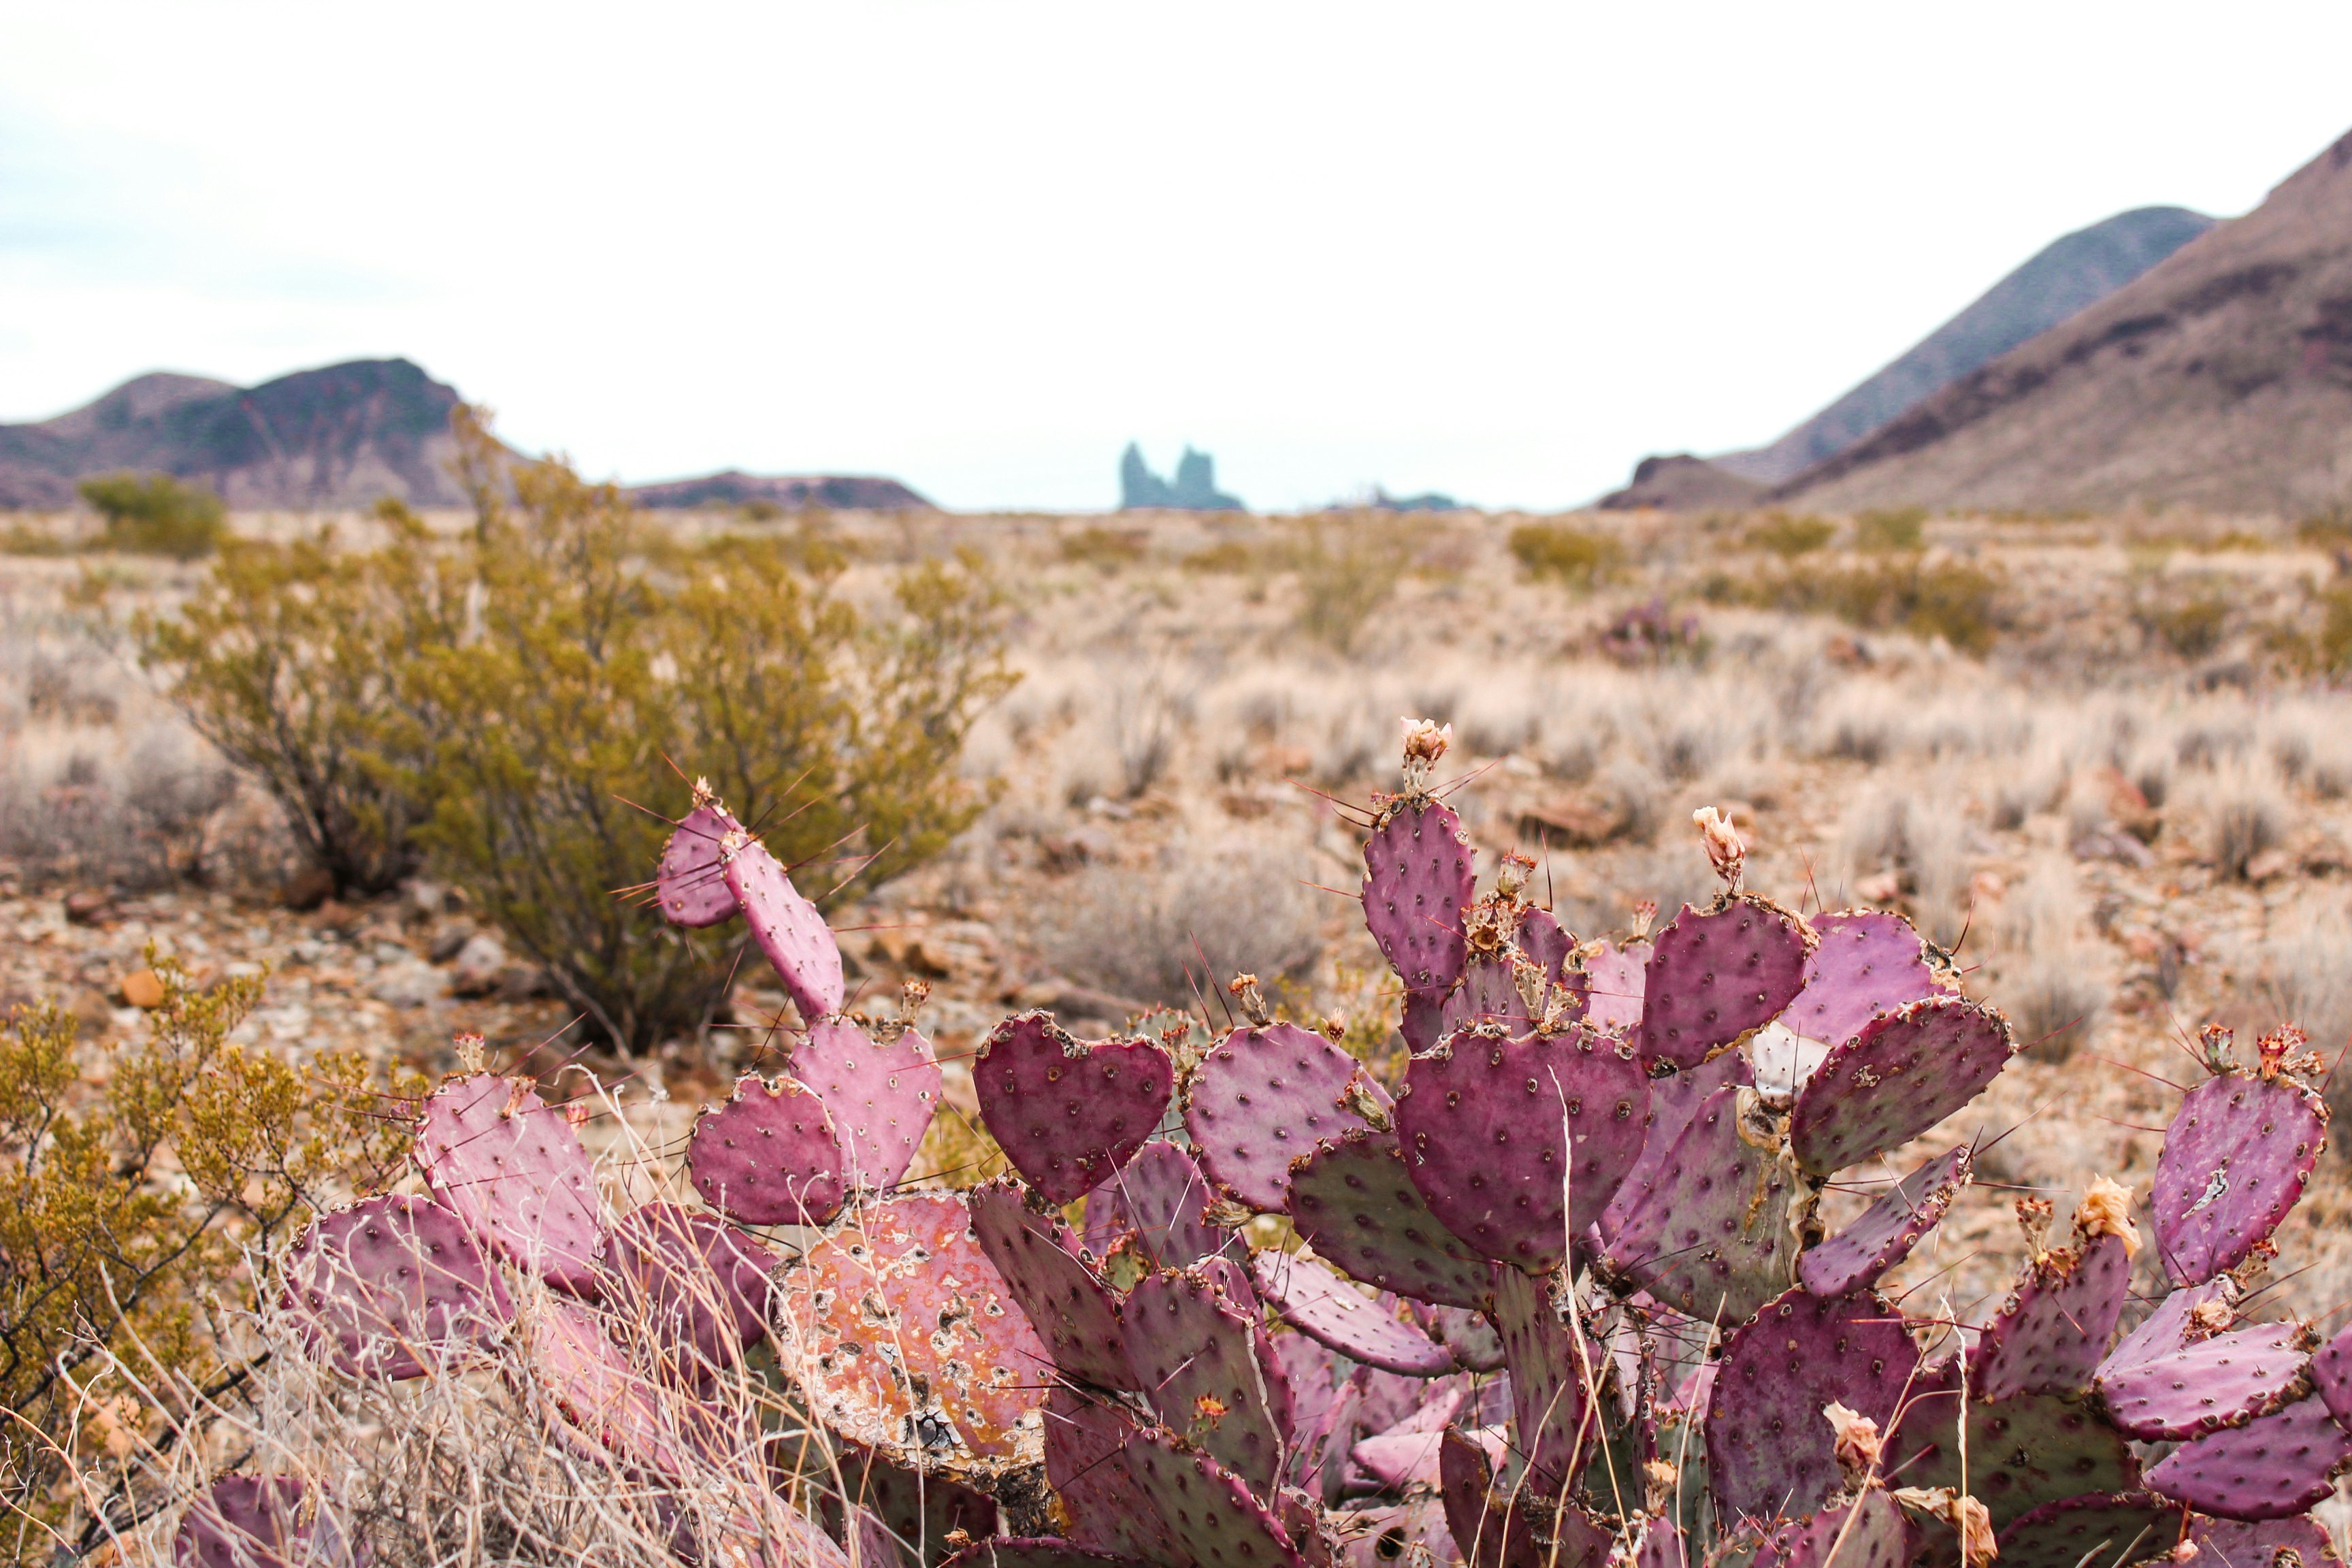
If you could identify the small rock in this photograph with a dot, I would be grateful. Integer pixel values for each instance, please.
(2269, 865)
(478, 966)
(88, 907)
(307, 888)
(448, 944)
(143, 989)
(411, 983)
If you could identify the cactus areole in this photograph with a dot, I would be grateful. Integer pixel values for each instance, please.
(1558, 1288)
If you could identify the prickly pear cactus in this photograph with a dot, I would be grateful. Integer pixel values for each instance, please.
(1555, 1291)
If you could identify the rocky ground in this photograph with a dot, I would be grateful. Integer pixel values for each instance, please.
(2124, 829)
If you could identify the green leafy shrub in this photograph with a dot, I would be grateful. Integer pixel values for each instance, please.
(1790, 536)
(495, 700)
(131, 1178)
(156, 515)
(1348, 568)
(2191, 628)
(1949, 599)
(1898, 529)
(1566, 554)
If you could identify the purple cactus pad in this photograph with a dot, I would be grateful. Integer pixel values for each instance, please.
(251, 1522)
(1857, 1257)
(1067, 1303)
(1358, 1207)
(509, 1165)
(2170, 1326)
(1769, 1452)
(1378, 1536)
(915, 1510)
(1468, 1335)
(1714, 1232)
(1869, 1532)
(771, 1156)
(1488, 995)
(1518, 1144)
(1422, 1024)
(2021, 1452)
(1902, 1074)
(881, 1094)
(2223, 1381)
(397, 1286)
(1209, 1512)
(1107, 1511)
(1263, 1096)
(1161, 1198)
(1417, 882)
(2235, 1160)
(1714, 974)
(1615, 979)
(1488, 1533)
(1552, 1367)
(691, 885)
(2331, 1373)
(2094, 1532)
(2296, 1541)
(2051, 1334)
(1330, 1310)
(1195, 1358)
(1545, 942)
(1069, 1115)
(703, 1286)
(610, 1405)
(798, 943)
(1869, 963)
(1034, 1551)
(2273, 1468)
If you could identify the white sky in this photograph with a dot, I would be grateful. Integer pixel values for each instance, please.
(1497, 250)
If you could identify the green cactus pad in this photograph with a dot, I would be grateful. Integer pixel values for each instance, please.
(1902, 1073)
(1356, 1206)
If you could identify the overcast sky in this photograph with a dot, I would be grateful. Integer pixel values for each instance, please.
(1497, 250)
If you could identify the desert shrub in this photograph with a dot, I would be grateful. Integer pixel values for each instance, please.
(1239, 904)
(156, 515)
(2300, 977)
(2191, 628)
(1348, 569)
(1897, 528)
(2247, 818)
(1229, 556)
(1563, 553)
(290, 658)
(132, 1176)
(496, 701)
(1947, 599)
(1107, 548)
(1790, 536)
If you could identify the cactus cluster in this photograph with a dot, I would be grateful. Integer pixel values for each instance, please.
(1559, 1295)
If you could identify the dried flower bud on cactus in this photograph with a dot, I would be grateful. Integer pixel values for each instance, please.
(1335, 1027)
(1511, 877)
(1646, 915)
(470, 1054)
(1858, 1443)
(1424, 742)
(2106, 1210)
(912, 995)
(1658, 1479)
(2034, 1218)
(1968, 1517)
(1244, 990)
(1725, 850)
(2217, 1039)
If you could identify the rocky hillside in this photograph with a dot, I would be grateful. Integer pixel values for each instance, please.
(2068, 276)
(2222, 378)
(341, 437)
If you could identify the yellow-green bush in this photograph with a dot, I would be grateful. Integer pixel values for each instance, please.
(1898, 529)
(495, 700)
(1949, 599)
(156, 515)
(132, 1176)
(1566, 554)
(1790, 536)
(1348, 566)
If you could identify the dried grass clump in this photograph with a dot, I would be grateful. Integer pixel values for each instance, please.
(2053, 982)
(2245, 816)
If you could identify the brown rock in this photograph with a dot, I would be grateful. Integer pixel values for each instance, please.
(1573, 822)
(307, 888)
(88, 907)
(2269, 865)
(142, 988)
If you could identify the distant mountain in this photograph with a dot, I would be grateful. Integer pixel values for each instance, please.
(2066, 277)
(328, 439)
(1194, 489)
(2220, 378)
(1681, 482)
(792, 492)
(324, 440)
